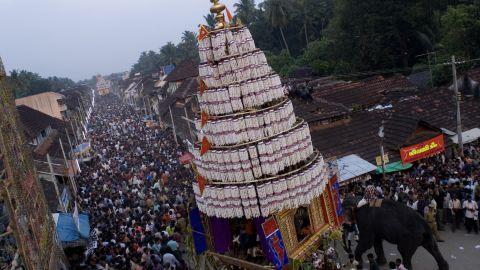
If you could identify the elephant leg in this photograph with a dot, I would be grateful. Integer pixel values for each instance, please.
(431, 246)
(365, 242)
(407, 252)
(378, 246)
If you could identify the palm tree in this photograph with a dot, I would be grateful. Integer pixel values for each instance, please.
(275, 11)
(306, 19)
(210, 20)
(188, 48)
(169, 53)
(245, 10)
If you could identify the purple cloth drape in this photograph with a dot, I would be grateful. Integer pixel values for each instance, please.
(263, 240)
(222, 235)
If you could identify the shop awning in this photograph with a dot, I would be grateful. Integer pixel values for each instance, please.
(394, 167)
(353, 166)
(468, 136)
(67, 229)
(82, 148)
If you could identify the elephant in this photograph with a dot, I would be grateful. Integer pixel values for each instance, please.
(396, 223)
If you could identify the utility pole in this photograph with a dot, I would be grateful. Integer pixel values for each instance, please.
(188, 123)
(457, 101)
(173, 126)
(144, 105)
(381, 134)
(149, 109)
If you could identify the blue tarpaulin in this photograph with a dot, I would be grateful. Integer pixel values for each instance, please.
(168, 69)
(67, 229)
(199, 239)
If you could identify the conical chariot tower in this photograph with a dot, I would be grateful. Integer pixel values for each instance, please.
(254, 159)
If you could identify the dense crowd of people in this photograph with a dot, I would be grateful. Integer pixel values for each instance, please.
(444, 189)
(135, 191)
(448, 187)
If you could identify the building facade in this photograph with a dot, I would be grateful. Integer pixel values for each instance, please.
(50, 103)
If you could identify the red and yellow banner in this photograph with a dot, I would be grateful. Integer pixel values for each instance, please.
(422, 150)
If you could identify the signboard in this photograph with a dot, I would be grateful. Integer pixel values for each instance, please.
(378, 159)
(336, 196)
(269, 226)
(422, 150)
(275, 243)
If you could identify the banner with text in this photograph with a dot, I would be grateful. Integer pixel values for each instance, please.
(422, 150)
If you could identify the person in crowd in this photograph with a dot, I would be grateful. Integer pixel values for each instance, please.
(432, 222)
(372, 264)
(351, 263)
(399, 264)
(471, 215)
(135, 191)
(457, 212)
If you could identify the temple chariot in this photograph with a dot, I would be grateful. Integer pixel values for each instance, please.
(261, 187)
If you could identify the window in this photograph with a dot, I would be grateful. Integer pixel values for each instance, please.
(303, 227)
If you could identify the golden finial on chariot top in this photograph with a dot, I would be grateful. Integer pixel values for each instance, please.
(218, 9)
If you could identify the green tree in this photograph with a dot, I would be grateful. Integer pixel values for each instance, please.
(188, 47)
(169, 54)
(461, 31)
(246, 11)
(26, 83)
(282, 63)
(147, 62)
(374, 34)
(275, 12)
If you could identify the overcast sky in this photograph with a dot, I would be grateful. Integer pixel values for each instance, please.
(79, 38)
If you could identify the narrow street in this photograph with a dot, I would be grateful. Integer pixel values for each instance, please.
(134, 189)
(461, 250)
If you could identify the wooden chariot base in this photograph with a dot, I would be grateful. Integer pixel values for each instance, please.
(322, 217)
(321, 212)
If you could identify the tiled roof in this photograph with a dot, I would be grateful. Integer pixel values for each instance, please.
(364, 93)
(164, 104)
(148, 85)
(317, 110)
(34, 121)
(182, 98)
(74, 94)
(357, 135)
(437, 107)
(187, 88)
(186, 69)
(181, 125)
(400, 128)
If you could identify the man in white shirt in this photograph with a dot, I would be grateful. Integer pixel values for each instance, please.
(471, 213)
(457, 212)
(170, 261)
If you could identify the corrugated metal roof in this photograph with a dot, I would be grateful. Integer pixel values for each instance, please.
(352, 166)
